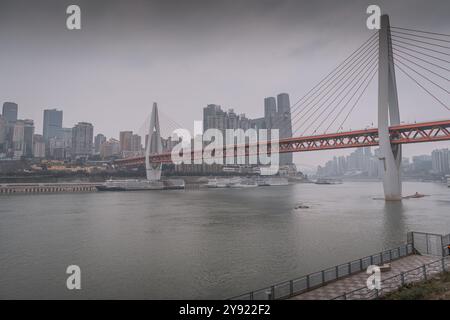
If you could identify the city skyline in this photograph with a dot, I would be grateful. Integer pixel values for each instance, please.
(270, 104)
(102, 73)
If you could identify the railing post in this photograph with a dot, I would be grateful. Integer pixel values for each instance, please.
(272, 292)
(291, 287)
(307, 282)
(349, 268)
(402, 277)
(337, 272)
(390, 255)
(323, 276)
(251, 295)
(345, 295)
(398, 255)
(424, 268)
(360, 264)
(381, 259)
(443, 264)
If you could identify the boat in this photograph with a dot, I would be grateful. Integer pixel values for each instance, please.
(243, 183)
(218, 183)
(272, 181)
(130, 185)
(416, 196)
(174, 184)
(327, 181)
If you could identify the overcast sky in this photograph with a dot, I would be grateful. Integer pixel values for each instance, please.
(187, 54)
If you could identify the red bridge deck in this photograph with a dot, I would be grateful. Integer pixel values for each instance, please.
(400, 134)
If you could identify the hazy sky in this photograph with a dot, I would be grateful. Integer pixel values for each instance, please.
(187, 54)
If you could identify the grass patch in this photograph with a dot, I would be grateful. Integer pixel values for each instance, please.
(437, 288)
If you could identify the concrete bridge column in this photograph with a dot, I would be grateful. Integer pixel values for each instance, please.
(388, 115)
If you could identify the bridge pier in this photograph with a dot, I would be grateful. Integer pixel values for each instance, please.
(154, 146)
(388, 115)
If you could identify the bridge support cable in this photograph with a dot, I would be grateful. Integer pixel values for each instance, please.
(326, 95)
(333, 76)
(318, 87)
(340, 127)
(362, 75)
(397, 50)
(396, 46)
(423, 88)
(410, 64)
(336, 93)
(330, 88)
(406, 60)
(420, 31)
(395, 36)
(396, 42)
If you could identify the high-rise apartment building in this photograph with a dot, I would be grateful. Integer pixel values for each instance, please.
(125, 140)
(82, 140)
(38, 146)
(98, 141)
(136, 144)
(22, 139)
(52, 123)
(9, 112)
(3, 136)
(277, 115)
(440, 161)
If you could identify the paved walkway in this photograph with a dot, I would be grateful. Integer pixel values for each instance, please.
(358, 280)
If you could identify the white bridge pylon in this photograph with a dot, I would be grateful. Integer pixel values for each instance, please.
(388, 115)
(154, 146)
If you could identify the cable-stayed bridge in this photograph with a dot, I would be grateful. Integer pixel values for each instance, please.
(318, 118)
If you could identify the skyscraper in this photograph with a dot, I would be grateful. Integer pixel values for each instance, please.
(28, 138)
(270, 111)
(98, 141)
(38, 146)
(285, 124)
(3, 135)
(82, 139)
(52, 123)
(214, 117)
(22, 140)
(136, 144)
(440, 161)
(10, 110)
(125, 140)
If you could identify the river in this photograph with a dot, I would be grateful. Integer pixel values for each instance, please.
(208, 243)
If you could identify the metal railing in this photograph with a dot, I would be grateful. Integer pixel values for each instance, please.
(318, 279)
(429, 243)
(388, 285)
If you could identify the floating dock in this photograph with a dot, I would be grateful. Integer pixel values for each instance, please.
(11, 188)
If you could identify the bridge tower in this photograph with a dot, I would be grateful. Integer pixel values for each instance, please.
(154, 146)
(388, 115)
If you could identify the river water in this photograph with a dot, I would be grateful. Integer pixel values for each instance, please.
(212, 243)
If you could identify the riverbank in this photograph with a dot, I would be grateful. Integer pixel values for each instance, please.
(437, 288)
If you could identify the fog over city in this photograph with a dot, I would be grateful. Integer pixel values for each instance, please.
(187, 54)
